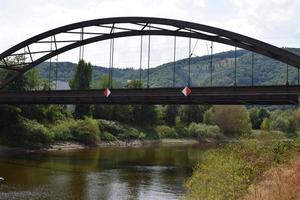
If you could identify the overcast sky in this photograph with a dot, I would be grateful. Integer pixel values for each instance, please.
(273, 21)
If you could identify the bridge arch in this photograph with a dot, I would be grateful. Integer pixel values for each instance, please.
(138, 26)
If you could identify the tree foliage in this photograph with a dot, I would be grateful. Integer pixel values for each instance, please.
(192, 113)
(283, 121)
(232, 120)
(257, 115)
(170, 115)
(82, 80)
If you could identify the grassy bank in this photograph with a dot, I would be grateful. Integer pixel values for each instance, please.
(281, 182)
(32, 134)
(228, 172)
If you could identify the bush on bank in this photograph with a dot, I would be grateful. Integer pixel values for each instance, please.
(85, 131)
(63, 130)
(120, 130)
(194, 130)
(202, 131)
(27, 133)
(165, 131)
(107, 136)
(227, 173)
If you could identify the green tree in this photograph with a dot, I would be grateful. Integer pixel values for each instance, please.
(265, 125)
(122, 113)
(257, 116)
(297, 117)
(232, 120)
(170, 115)
(132, 84)
(142, 114)
(283, 121)
(192, 113)
(104, 83)
(29, 81)
(81, 81)
(208, 117)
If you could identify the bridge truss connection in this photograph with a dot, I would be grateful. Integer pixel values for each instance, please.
(50, 44)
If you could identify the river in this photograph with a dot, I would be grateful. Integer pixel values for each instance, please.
(154, 172)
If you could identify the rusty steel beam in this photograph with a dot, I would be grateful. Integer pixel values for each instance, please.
(263, 95)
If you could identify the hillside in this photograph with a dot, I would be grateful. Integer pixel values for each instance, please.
(266, 71)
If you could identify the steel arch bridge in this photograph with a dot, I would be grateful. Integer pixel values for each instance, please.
(49, 44)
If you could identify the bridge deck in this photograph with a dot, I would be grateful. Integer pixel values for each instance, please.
(264, 95)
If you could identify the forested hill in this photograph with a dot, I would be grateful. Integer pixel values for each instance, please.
(266, 71)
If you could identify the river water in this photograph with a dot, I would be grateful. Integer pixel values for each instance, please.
(150, 173)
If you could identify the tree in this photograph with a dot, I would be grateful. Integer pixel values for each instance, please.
(142, 114)
(283, 121)
(257, 116)
(104, 83)
(29, 81)
(170, 114)
(122, 113)
(192, 113)
(232, 120)
(265, 125)
(134, 84)
(81, 81)
(253, 113)
(208, 117)
(297, 117)
(83, 76)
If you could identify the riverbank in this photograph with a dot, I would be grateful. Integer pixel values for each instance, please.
(64, 146)
(282, 182)
(229, 172)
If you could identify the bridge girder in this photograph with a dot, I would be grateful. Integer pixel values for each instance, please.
(259, 95)
(117, 28)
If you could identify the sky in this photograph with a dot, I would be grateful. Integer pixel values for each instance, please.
(273, 21)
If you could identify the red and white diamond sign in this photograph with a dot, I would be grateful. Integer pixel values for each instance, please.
(107, 92)
(186, 91)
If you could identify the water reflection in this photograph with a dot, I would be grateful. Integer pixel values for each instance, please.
(102, 173)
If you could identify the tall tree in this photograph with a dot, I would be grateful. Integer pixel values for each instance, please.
(29, 81)
(82, 80)
(257, 116)
(192, 113)
(232, 120)
(171, 114)
(142, 114)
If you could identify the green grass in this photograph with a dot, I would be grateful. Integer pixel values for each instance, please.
(226, 173)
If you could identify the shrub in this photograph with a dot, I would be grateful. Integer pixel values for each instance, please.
(107, 136)
(232, 120)
(227, 173)
(63, 130)
(283, 121)
(135, 134)
(86, 131)
(165, 131)
(208, 117)
(180, 128)
(28, 133)
(115, 128)
(219, 175)
(268, 135)
(120, 130)
(265, 125)
(204, 131)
